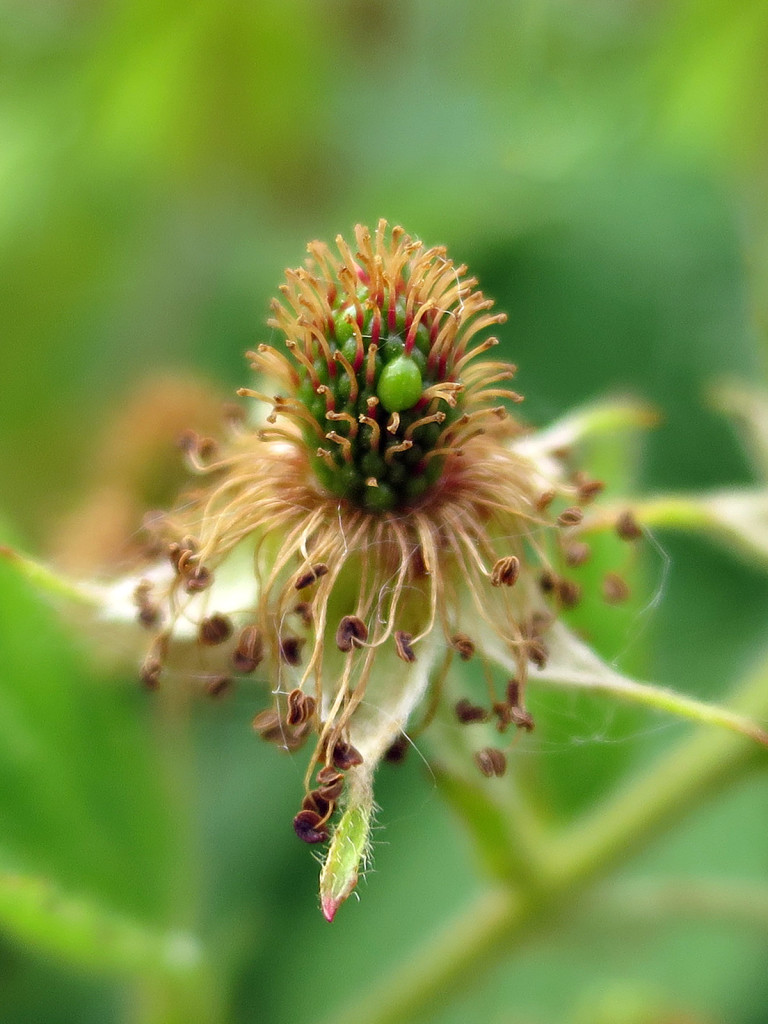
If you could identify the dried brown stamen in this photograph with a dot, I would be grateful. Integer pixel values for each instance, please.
(491, 762)
(290, 649)
(149, 613)
(318, 802)
(568, 593)
(397, 751)
(518, 716)
(218, 686)
(576, 553)
(200, 578)
(463, 646)
(249, 651)
(267, 724)
(544, 500)
(328, 776)
(503, 713)
(570, 517)
(352, 632)
(311, 576)
(505, 572)
(615, 589)
(548, 581)
(180, 553)
(331, 791)
(309, 827)
(588, 489)
(627, 526)
(467, 712)
(403, 646)
(345, 756)
(214, 630)
(150, 672)
(304, 610)
(300, 707)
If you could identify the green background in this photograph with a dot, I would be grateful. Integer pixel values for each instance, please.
(600, 165)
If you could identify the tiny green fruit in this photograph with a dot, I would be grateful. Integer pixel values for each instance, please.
(400, 384)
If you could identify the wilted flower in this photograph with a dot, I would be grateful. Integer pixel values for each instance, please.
(381, 514)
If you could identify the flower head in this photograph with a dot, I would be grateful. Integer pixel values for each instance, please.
(379, 513)
(377, 521)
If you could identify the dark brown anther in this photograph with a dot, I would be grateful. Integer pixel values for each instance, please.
(548, 581)
(148, 612)
(345, 756)
(463, 646)
(318, 802)
(535, 648)
(180, 553)
(538, 623)
(491, 762)
(214, 630)
(290, 649)
(537, 652)
(503, 714)
(193, 445)
(207, 448)
(577, 553)
(300, 707)
(628, 527)
(312, 575)
(518, 716)
(249, 651)
(505, 572)
(199, 578)
(149, 615)
(522, 719)
(331, 791)
(403, 645)
(467, 712)
(328, 776)
(174, 554)
(268, 725)
(570, 516)
(309, 827)
(150, 672)
(588, 489)
(615, 589)
(544, 501)
(568, 593)
(218, 686)
(397, 751)
(352, 632)
(304, 610)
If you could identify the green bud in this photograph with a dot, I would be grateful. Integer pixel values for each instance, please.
(346, 855)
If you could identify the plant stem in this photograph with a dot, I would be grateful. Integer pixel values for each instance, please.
(645, 902)
(698, 768)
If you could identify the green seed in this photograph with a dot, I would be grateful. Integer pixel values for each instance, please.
(400, 384)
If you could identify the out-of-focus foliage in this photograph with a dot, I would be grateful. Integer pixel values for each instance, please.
(599, 164)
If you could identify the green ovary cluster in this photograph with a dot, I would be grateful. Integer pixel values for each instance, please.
(376, 458)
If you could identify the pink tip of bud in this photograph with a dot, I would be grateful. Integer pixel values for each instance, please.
(329, 906)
